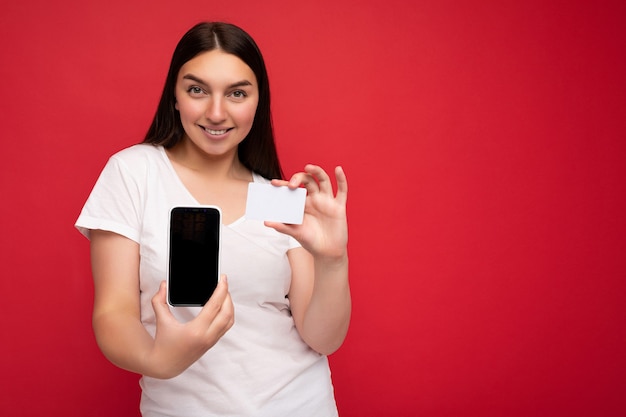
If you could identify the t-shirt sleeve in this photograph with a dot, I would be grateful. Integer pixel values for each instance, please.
(114, 203)
(293, 243)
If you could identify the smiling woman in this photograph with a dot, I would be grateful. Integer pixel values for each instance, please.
(210, 138)
(217, 97)
(258, 151)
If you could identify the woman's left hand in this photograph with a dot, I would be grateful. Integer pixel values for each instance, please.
(324, 229)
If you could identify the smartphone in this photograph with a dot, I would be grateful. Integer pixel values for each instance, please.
(194, 246)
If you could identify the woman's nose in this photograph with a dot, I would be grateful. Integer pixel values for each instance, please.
(215, 111)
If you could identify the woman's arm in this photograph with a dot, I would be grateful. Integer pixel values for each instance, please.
(117, 314)
(320, 300)
(320, 292)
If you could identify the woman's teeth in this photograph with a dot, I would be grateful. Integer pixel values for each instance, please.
(216, 132)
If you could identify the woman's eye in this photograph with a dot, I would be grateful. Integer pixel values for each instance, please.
(238, 94)
(195, 90)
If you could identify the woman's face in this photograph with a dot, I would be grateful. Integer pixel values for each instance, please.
(217, 96)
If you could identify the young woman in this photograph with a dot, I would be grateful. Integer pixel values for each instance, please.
(259, 345)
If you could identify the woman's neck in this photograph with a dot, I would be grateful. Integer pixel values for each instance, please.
(216, 167)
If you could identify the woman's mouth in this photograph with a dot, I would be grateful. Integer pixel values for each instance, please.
(215, 132)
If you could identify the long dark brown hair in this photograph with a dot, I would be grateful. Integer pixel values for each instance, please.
(257, 151)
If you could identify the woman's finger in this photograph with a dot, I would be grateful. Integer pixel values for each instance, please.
(342, 185)
(280, 183)
(214, 304)
(224, 319)
(306, 180)
(322, 178)
(159, 303)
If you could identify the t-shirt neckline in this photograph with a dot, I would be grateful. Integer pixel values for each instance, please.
(168, 162)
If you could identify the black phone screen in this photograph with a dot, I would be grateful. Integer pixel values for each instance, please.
(193, 255)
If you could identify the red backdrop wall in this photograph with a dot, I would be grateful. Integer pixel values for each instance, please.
(484, 144)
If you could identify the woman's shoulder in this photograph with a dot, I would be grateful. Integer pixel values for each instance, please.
(259, 178)
(139, 160)
(138, 152)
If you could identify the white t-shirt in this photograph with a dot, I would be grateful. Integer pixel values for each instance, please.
(261, 366)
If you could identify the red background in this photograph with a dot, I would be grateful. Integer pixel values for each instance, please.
(484, 145)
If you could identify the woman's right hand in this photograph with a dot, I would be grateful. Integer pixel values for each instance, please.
(120, 334)
(178, 345)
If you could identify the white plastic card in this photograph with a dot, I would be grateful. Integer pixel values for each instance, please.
(276, 204)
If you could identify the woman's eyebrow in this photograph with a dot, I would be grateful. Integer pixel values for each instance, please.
(192, 77)
(242, 83)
